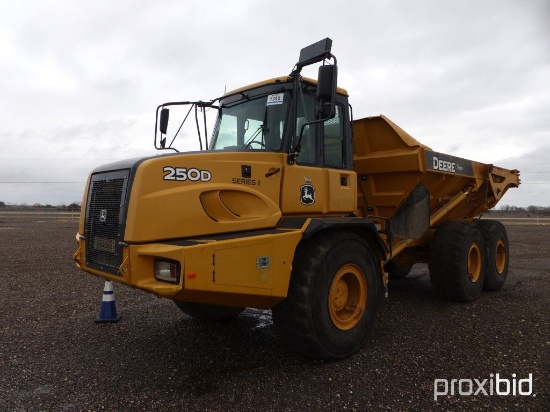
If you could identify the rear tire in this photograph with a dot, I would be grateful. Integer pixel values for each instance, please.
(457, 261)
(332, 297)
(497, 253)
(208, 313)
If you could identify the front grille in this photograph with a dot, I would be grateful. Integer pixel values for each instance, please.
(105, 220)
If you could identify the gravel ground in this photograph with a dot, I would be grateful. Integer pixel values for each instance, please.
(54, 357)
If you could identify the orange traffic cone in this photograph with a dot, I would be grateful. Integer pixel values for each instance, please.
(107, 312)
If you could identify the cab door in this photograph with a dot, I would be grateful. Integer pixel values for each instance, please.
(337, 155)
(320, 182)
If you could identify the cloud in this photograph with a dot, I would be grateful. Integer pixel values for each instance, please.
(534, 169)
(81, 81)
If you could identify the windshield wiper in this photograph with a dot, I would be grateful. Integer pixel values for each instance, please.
(249, 142)
(264, 131)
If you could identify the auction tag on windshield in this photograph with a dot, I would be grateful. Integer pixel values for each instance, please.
(273, 99)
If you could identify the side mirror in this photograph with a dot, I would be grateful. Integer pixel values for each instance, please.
(164, 115)
(326, 91)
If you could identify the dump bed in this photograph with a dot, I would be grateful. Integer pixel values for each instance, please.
(391, 165)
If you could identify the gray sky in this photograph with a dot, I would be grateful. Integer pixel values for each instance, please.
(80, 81)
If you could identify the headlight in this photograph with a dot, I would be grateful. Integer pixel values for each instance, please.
(167, 271)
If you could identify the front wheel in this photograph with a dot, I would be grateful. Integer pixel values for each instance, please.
(332, 297)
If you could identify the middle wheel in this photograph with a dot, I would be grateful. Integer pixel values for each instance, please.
(457, 261)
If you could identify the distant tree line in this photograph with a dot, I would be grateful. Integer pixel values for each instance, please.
(72, 206)
(529, 210)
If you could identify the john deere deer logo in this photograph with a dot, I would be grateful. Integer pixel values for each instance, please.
(307, 194)
(103, 215)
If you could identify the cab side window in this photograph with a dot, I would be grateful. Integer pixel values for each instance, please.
(333, 140)
(328, 136)
(306, 113)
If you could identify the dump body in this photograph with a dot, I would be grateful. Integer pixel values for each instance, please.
(390, 164)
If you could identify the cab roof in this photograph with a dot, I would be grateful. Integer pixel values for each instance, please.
(275, 80)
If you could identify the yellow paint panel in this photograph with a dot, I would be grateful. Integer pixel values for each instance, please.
(342, 197)
(239, 266)
(162, 209)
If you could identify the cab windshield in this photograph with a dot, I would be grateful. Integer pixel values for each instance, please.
(256, 123)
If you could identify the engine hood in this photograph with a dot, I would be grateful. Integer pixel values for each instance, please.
(202, 193)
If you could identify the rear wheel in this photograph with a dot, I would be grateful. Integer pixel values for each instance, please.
(496, 251)
(457, 261)
(208, 313)
(332, 297)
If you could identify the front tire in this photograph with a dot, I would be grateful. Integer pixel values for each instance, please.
(332, 297)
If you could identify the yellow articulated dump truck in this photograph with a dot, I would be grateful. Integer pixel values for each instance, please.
(293, 206)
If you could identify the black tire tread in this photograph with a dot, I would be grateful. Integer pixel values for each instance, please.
(447, 257)
(491, 231)
(292, 318)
